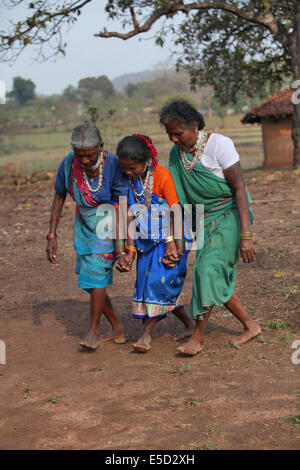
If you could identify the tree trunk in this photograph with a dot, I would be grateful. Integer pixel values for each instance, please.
(295, 54)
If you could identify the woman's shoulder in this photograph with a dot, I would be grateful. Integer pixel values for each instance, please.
(65, 160)
(113, 159)
(112, 162)
(219, 139)
(162, 171)
(174, 150)
(68, 157)
(162, 175)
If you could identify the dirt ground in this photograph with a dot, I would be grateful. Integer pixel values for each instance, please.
(53, 395)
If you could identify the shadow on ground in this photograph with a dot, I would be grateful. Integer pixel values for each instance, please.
(74, 315)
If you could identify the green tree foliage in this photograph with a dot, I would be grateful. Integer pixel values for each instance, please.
(131, 89)
(102, 84)
(232, 45)
(70, 93)
(23, 90)
(233, 56)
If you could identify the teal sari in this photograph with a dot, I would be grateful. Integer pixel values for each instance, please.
(216, 258)
(93, 237)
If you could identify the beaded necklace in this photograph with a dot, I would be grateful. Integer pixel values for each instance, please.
(199, 147)
(100, 176)
(143, 196)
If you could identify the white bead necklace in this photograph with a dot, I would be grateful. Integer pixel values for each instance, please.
(200, 145)
(147, 187)
(98, 164)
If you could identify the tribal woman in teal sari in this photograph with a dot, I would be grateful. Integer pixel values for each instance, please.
(207, 173)
(94, 180)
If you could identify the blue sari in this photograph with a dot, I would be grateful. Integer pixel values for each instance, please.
(157, 286)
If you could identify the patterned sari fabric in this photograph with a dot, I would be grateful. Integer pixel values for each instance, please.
(218, 252)
(157, 287)
(93, 231)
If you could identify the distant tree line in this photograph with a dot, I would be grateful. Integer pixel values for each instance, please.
(96, 99)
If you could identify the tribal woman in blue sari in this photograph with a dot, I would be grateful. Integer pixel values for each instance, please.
(161, 259)
(94, 180)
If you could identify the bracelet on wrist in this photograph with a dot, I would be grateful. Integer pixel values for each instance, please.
(169, 239)
(246, 235)
(50, 236)
(131, 248)
(120, 254)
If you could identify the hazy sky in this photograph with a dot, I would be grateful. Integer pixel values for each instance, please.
(86, 55)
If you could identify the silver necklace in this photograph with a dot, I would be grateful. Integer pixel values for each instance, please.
(200, 145)
(147, 187)
(144, 185)
(98, 164)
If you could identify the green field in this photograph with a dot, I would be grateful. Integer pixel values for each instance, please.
(43, 151)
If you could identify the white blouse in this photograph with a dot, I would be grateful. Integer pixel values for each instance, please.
(219, 153)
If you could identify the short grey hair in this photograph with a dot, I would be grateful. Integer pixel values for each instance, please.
(85, 136)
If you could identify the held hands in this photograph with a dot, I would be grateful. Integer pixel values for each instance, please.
(124, 260)
(171, 254)
(180, 247)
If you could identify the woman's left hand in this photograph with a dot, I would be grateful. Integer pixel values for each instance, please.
(248, 250)
(171, 256)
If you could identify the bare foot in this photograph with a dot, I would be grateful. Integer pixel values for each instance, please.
(250, 333)
(117, 336)
(143, 345)
(188, 332)
(191, 348)
(91, 341)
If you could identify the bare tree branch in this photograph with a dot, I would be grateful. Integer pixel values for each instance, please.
(266, 19)
(40, 18)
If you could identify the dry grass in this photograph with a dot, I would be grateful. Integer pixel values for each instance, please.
(44, 151)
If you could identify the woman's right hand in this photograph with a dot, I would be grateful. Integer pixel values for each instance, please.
(124, 262)
(171, 256)
(247, 250)
(51, 250)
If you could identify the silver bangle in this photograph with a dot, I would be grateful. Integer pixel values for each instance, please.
(119, 254)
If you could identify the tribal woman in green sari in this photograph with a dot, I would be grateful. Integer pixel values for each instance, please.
(207, 173)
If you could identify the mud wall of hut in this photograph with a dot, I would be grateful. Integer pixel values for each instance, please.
(277, 141)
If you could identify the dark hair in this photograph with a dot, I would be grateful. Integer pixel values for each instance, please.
(181, 111)
(134, 148)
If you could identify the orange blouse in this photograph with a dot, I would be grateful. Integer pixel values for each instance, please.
(164, 186)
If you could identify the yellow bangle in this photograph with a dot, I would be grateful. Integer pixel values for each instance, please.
(169, 239)
(246, 234)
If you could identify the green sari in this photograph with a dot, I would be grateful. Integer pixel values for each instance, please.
(215, 265)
